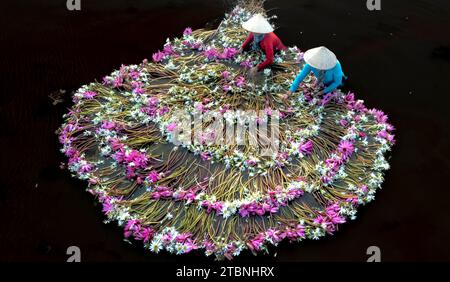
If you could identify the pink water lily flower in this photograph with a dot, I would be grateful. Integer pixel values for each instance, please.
(226, 88)
(226, 75)
(153, 102)
(156, 195)
(93, 181)
(230, 250)
(260, 211)
(193, 45)
(346, 148)
(106, 81)
(259, 121)
(217, 206)
(197, 45)
(306, 148)
(273, 209)
(116, 144)
(145, 234)
(171, 127)
(183, 237)
(240, 81)
(243, 212)
(247, 64)
(389, 127)
(166, 194)
(334, 163)
(326, 99)
(331, 219)
(209, 246)
(211, 54)
(360, 107)
(164, 110)
(295, 193)
(205, 156)
(167, 238)
(363, 188)
(338, 219)
(153, 176)
(158, 56)
(349, 97)
(201, 108)
(130, 227)
(86, 168)
(70, 152)
(107, 207)
(294, 233)
(224, 108)
(300, 230)
(108, 124)
(187, 31)
(256, 243)
(189, 197)
(134, 75)
(168, 50)
(138, 90)
(273, 235)
(89, 95)
(379, 116)
(343, 122)
(282, 156)
(325, 179)
(383, 134)
(151, 111)
(139, 180)
(391, 139)
(118, 81)
(353, 200)
(228, 53)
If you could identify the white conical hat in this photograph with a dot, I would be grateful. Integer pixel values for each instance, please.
(320, 58)
(258, 24)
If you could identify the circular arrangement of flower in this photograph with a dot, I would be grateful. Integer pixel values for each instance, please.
(187, 152)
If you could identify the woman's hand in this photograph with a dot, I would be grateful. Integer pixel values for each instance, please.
(253, 71)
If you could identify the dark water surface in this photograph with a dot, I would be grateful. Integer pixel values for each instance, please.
(398, 60)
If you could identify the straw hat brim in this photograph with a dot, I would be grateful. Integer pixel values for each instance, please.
(320, 58)
(258, 24)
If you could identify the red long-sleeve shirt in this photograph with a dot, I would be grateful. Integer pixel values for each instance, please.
(269, 45)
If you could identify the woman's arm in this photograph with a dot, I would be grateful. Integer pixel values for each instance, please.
(247, 41)
(269, 57)
(300, 77)
(337, 80)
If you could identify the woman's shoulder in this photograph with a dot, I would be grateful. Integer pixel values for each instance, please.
(271, 36)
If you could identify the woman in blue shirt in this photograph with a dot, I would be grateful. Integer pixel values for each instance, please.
(325, 66)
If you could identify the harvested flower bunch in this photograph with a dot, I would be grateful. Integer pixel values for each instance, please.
(176, 189)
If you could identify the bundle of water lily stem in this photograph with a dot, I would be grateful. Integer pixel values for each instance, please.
(180, 187)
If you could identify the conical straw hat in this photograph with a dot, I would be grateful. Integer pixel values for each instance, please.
(320, 58)
(258, 24)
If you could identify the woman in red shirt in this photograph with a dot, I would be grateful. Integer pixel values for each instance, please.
(261, 37)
